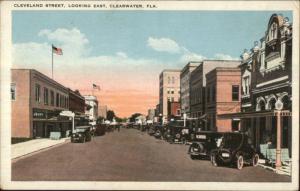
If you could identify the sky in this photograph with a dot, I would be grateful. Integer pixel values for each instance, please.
(124, 51)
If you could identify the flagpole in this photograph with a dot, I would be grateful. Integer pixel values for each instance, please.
(52, 59)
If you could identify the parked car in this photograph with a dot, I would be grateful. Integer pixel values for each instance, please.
(151, 130)
(177, 131)
(100, 129)
(81, 134)
(159, 131)
(203, 143)
(234, 149)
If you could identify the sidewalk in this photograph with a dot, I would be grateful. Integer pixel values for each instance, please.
(28, 147)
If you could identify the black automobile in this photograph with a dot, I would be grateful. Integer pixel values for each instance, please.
(178, 131)
(235, 149)
(203, 143)
(159, 131)
(81, 134)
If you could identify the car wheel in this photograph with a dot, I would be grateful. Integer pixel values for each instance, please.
(213, 160)
(240, 162)
(255, 159)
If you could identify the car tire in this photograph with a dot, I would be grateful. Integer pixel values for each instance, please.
(239, 162)
(255, 159)
(213, 160)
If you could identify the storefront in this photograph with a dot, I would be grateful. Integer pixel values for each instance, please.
(273, 127)
(46, 121)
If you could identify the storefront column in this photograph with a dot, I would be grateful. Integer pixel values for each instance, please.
(278, 146)
(257, 126)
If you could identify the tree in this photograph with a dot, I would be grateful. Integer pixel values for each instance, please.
(110, 115)
(133, 116)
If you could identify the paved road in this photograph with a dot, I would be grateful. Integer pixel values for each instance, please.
(129, 155)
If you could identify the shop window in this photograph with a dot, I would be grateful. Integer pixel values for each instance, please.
(51, 98)
(37, 93)
(57, 99)
(235, 93)
(13, 91)
(46, 96)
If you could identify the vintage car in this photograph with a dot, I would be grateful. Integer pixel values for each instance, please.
(151, 130)
(159, 131)
(177, 132)
(203, 143)
(81, 134)
(234, 149)
(100, 129)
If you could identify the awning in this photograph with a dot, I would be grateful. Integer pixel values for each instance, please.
(254, 114)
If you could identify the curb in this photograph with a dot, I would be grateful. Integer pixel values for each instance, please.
(13, 160)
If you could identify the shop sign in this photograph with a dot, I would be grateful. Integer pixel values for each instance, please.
(39, 114)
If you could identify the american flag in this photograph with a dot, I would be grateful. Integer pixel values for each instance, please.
(56, 50)
(96, 86)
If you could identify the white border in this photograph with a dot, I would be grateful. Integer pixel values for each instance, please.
(6, 47)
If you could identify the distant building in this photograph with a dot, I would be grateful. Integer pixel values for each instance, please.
(102, 111)
(198, 84)
(185, 76)
(36, 101)
(169, 89)
(76, 102)
(92, 109)
(222, 96)
(77, 105)
(173, 110)
(151, 114)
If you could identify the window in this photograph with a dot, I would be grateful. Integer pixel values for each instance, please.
(172, 91)
(46, 96)
(13, 91)
(61, 101)
(169, 79)
(214, 93)
(173, 80)
(234, 125)
(57, 99)
(178, 112)
(208, 95)
(51, 98)
(235, 93)
(37, 93)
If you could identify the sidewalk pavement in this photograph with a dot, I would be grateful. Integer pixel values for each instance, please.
(29, 147)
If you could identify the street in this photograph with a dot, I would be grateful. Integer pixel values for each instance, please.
(129, 155)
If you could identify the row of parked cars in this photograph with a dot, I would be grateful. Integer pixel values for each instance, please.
(85, 133)
(222, 148)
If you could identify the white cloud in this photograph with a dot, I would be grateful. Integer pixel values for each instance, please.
(163, 45)
(121, 54)
(220, 56)
(76, 67)
(190, 56)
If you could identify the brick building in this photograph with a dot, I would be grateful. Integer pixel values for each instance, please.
(222, 96)
(198, 84)
(173, 110)
(37, 101)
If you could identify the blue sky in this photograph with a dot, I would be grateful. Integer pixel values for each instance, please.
(203, 32)
(124, 51)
